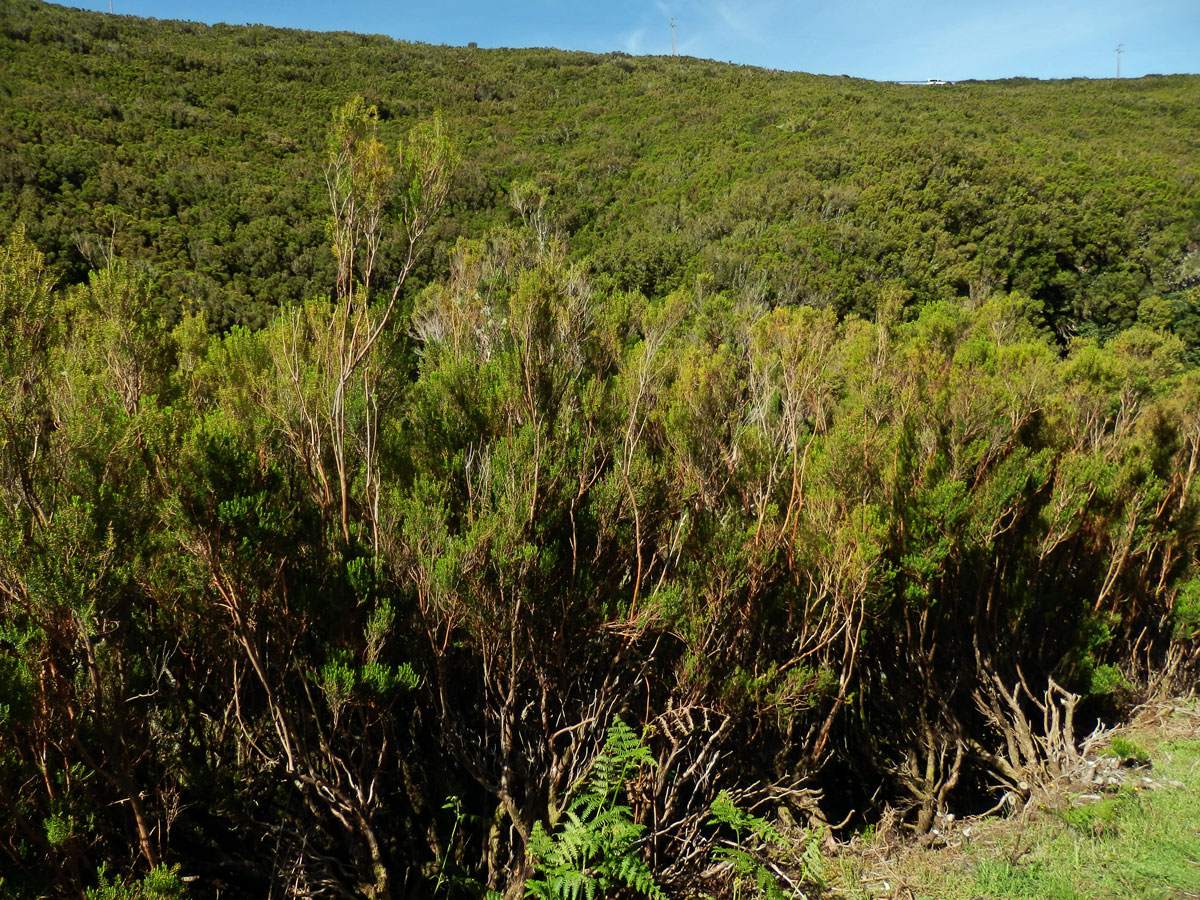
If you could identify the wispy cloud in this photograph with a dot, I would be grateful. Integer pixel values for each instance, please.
(1024, 41)
(740, 18)
(635, 41)
(725, 29)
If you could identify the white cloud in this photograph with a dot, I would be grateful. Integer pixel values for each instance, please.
(634, 41)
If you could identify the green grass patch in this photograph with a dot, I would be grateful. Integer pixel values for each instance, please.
(1139, 842)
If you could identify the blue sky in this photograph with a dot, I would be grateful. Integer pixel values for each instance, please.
(878, 39)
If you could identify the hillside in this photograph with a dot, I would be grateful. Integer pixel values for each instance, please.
(443, 472)
(199, 149)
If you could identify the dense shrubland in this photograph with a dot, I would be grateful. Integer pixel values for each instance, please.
(267, 606)
(633, 558)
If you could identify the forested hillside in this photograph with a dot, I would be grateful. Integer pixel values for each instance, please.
(436, 471)
(197, 150)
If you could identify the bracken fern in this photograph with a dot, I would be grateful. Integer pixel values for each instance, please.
(594, 850)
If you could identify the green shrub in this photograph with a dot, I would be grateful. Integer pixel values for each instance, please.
(161, 883)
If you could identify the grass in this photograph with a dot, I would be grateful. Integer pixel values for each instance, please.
(1137, 843)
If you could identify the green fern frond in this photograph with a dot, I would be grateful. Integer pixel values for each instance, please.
(595, 846)
(757, 842)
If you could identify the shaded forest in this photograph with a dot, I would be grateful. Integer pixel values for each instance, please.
(441, 471)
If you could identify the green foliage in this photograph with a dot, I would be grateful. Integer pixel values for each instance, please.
(339, 678)
(758, 848)
(161, 883)
(193, 148)
(30, 317)
(549, 491)
(1185, 613)
(749, 870)
(58, 830)
(890, 400)
(1128, 751)
(594, 851)
(1106, 678)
